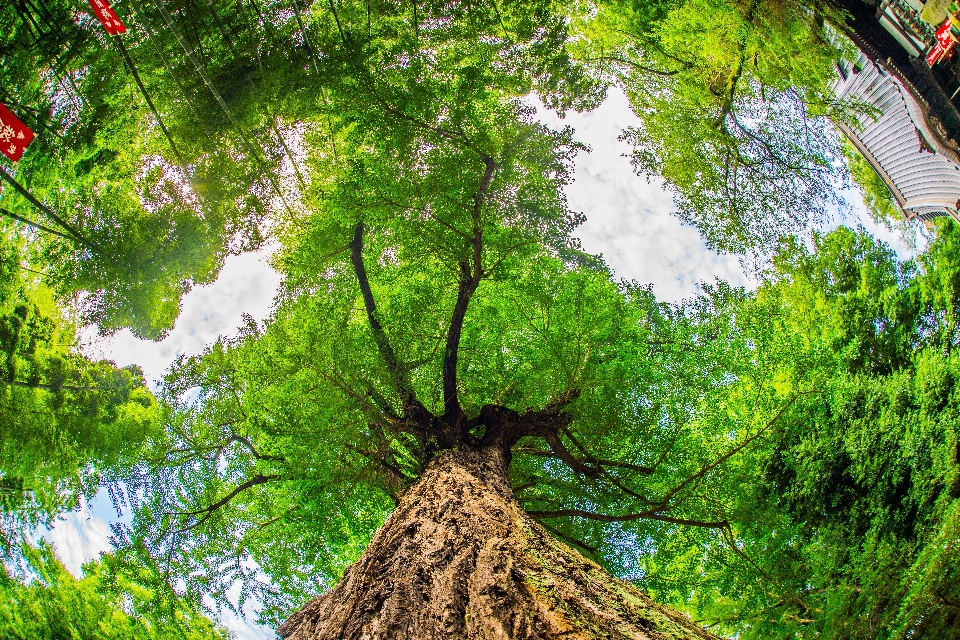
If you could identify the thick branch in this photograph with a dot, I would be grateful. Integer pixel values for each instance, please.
(470, 276)
(401, 379)
(379, 335)
(211, 509)
(561, 451)
(47, 387)
(643, 515)
(602, 462)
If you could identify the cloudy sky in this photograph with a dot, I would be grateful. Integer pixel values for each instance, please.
(628, 221)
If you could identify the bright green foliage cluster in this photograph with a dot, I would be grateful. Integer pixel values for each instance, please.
(733, 99)
(54, 605)
(67, 423)
(142, 221)
(849, 512)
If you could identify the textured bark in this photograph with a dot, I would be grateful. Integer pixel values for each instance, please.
(459, 558)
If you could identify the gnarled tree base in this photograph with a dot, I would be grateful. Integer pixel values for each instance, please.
(459, 558)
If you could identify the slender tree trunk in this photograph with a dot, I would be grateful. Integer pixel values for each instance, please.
(459, 558)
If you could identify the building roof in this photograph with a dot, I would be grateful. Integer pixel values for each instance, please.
(923, 176)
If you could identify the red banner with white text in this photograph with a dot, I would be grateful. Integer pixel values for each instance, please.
(108, 17)
(14, 135)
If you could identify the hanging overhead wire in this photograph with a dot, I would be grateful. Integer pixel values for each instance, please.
(256, 94)
(201, 70)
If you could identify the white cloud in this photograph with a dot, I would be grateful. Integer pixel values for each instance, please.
(78, 537)
(241, 626)
(247, 284)
(629, 218)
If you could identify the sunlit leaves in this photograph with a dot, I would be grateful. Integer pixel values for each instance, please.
(67, 423)
(114, 599)
(733, 99)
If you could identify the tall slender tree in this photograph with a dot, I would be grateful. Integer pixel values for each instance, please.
(442, 341)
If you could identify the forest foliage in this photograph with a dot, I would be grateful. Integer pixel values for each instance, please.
(778, 462)
(112, 600)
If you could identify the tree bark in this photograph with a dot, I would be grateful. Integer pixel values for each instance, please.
(459, 558)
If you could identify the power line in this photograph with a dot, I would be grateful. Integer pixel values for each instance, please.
(233, 50)
(219, 98)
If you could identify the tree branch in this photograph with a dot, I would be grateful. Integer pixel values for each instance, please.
(605, 463)
(732, 452)
(570, 539)
(209, 510)
(630, 63)
(561, 451)
(35, 225)
(470, 276)
(50, 214)
(643, 515)
(400, 376)
(47, 387)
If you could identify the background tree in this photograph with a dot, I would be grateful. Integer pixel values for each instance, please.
(68, 424)
(735, 106)
(143, 206)
(54, 604)
(849, 511)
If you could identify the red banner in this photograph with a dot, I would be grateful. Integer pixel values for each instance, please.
(14, 135)
(938, 52)
(108, 17)
(943, 34)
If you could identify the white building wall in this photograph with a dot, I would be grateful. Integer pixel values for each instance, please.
(923, 177)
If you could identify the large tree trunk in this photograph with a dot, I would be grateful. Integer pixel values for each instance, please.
(459, 558)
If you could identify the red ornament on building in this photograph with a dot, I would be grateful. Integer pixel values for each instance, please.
(107, 17)
(943, 34)
(14, 135)
(944, 45)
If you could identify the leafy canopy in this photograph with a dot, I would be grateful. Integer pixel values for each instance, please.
(777, 462)
(734, 102)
